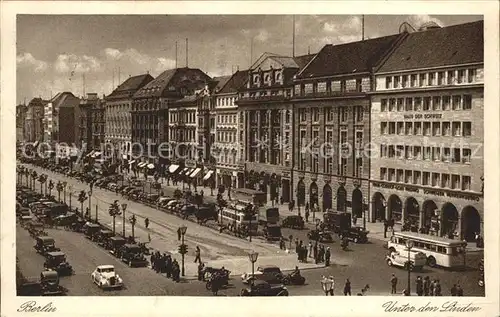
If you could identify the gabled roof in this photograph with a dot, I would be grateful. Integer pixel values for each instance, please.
(156, 86)
(452, 45)
(60, 99)
(262, 58)
(302, 61)
(130, 86)
(235, 82)
(349, 58)
(221, 81)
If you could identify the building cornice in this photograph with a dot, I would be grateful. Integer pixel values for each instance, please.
(429, 68)
(425, 89)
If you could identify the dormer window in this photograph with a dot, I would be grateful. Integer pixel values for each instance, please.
(278, 77)
(266, 78)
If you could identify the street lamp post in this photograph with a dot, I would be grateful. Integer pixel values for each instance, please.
(183, 233)
(364, 214)
(90, 206)
(409, 246)
(64, 189)
(253, 256)
(124, 208)
(327, 285)
(70, 192)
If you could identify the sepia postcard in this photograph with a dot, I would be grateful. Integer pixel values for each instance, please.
(249, 158)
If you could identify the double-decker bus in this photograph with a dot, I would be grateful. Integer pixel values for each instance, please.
(234, 214)
(438, 250)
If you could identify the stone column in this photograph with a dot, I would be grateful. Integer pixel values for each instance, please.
(269, 141)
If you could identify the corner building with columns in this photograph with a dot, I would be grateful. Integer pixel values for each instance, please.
(331, 120)
(427, 129)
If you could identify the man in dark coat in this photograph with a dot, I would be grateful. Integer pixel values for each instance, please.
(427, 286)
(419, 286)
(168, 266)
(327, 256)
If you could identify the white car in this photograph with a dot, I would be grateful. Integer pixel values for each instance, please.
(417, 260)
(105, 277)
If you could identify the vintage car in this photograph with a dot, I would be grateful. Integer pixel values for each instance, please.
(269, 273)
(45, 244)
(320, 236)
(49, 282)
(65, 220)
(35, 228)
(355, 234)
(417, 260)
(133, 255)
(115, 244)
(24, 215)
(105, 277)
(56, 261)
(91, 230)
(263, 288)
(172, 205)
(103, 236)
(294, 222)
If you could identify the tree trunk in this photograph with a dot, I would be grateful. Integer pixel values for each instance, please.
(114, 224)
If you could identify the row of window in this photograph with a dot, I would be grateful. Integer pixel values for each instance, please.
(428, 153)
(441, 78)
(226, 136)
(329, 140)
(228, 158)
(329, 164)
(426, 128)
(226, 119)
(443, 180)
(313, 114)
(427, 103)
(352, 85)
(226, 101)
(183, 116)
(185, 135)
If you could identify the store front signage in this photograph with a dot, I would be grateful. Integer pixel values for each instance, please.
(414, 189)
(423, 116)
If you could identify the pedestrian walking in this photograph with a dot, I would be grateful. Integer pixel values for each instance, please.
(453, 290)
(307, 215)
(310, 249)
(197, 255)
(437, 289)
(460, 291)
(394, 283)
(179, 234)
(327, 256)
(347, 287)
(146, 222)
(315, 251)
(385, 228)
(427, 286)
(201, 266)
(433, 288)
(419, 286)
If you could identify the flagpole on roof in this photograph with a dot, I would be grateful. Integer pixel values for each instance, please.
(175, 54)
(363, 27)
(293, 36)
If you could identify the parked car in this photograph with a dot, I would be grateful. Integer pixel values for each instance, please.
(102, 237)
(269, 273)
(132, 255)
(49, 282)
(294, 222)
(417, 260)
(263, 288)
(56, 261)
(45, 244)
(105, 277)
(356, 234)
(115, 244)
(91, 230)
(320, 236)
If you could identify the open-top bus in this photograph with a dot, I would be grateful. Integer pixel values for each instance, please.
(438, 250)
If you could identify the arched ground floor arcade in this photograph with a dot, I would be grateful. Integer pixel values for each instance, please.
(443, 215)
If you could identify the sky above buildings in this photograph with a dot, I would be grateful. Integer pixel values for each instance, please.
(70, 52)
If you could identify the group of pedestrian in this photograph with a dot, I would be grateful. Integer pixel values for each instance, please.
(301, 251)
(426, 287)
(164, 264)
(319, 253)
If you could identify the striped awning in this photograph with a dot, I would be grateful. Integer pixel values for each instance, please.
(208, 174)
(195, 172)
(151, 166)
(172, 168)
(141, 165)
(131, 162)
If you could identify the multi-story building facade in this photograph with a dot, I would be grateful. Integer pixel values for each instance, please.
(60, 119)
(118, 117)
(150, 114)
(98, 113)
(34, 120)
(427, 129)
(227, 147)
(331, 121)
(85, 121)
(21, 111)
(265, 123)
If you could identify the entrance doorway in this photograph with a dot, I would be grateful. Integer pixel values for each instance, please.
(357, 203)
(471, 223)
(378, 207)
(285, 190)
(430, 218)
(395, 207)
(301, 193)
(313, 195)
(327, 197)
(341, 199)
(412, 212)
(449, 219)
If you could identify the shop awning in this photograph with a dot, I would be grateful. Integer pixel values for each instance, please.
(96, 154)
(172, 168)
(35, 144)
(151, 166)
(131, 162)
(124, 156)
(141, 165)
(208, 174)
(196, 171)
(91, 153)
(184, 171)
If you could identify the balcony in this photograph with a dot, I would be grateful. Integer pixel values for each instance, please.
(328, 94)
